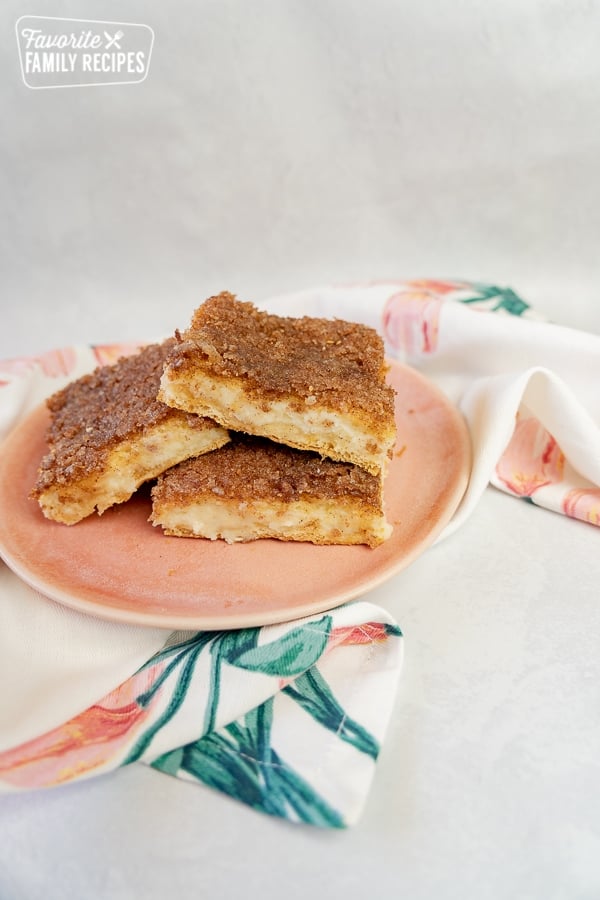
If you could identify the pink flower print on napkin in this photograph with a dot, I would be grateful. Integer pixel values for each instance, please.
(107, 354)
(411, 321)
(366, 633)
(88, 741)
(432, 286)
(531, 460)
(351, 635)
(584, 504)
(54, 363)
(16, 367)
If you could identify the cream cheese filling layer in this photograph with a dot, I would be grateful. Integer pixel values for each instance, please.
(321, 522)
(329, 433)
(127, 466)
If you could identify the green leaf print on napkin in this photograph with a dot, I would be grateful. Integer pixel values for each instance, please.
(505, 299)
(314, 695)
(238, 757)
(240, 761)
(291, 654)
(185, 660)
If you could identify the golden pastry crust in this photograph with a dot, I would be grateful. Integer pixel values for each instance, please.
(108, 434)
(253, 488)
(311, 383)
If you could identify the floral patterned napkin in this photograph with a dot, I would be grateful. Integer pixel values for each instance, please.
(289, 719)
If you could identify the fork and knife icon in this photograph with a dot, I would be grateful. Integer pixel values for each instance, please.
(113, 40)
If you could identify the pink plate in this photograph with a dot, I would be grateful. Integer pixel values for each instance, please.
(119, 567)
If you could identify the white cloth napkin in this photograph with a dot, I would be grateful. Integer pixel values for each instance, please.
(290, 718)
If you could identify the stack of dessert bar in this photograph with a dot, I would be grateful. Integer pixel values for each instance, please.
(255, 426)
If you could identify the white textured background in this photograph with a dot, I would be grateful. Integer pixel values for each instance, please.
(277, 145)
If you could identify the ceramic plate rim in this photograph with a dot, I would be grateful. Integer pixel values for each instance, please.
(167, 620)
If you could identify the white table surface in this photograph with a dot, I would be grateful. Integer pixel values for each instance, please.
(274, 148)
(488, 785)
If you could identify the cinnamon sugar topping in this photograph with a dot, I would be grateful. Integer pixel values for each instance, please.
(329, 362)
(100, 410)
(250, 468)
